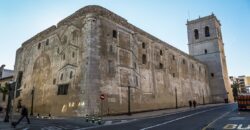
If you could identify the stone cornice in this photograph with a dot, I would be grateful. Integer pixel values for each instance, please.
(41, 34)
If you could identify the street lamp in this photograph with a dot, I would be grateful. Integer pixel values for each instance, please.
(129, 111)
(32, 101)
(10, 86)
(176, 99)
(203, 97)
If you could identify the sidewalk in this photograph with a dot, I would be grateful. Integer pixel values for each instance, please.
(157, 112)
(4, 125)
(7, 125)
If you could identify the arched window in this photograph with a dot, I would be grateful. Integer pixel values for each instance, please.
(183, 61)
(143, 45)
(144, 59)
(114, 34)
(207, 33)
(61, 77)
(173, 57)
(47, 42)
(71, 75)
(39, 46)
(74, 35)
(161, 52)
(196, 34)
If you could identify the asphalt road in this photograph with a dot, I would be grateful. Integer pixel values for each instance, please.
(192, 120)
(236, 120)
(222, 117)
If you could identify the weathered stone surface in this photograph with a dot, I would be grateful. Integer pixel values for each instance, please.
(97, 52)
(210, 50)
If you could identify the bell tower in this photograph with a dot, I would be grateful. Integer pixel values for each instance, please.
(206, 44)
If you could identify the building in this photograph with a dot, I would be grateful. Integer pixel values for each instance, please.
(247, 81)
(243, 81)
(5, 77)
(242, 84)
(95, 52)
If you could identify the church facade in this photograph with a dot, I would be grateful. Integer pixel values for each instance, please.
(95, 52)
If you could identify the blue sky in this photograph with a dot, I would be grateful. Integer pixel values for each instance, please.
(165, 19)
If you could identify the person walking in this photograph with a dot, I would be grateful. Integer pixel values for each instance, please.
(194, 103)
(19, 105)
(190, 103)
(24, 113)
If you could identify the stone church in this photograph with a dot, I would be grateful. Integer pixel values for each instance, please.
(95, 52)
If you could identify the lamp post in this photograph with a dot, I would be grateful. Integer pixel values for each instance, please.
(129, 111)
(32, 101)
(6, 119)
(9, 112)
(176, 99)
(203, 97)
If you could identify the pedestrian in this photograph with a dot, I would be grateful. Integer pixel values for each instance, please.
(194, 103)
(190, 103)
(24, 113)
(19, 105)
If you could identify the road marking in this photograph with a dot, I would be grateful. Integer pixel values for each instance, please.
(236, 118)
(216, 120)
(151, 117)
(181, 111)
(108, 122)
(164, 123)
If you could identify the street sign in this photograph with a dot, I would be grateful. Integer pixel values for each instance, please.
(102, 97)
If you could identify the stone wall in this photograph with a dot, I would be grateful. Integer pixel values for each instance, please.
(96, 52)
(154, 82)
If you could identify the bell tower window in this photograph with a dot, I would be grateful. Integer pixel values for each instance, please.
(207, 33)
(196, 34)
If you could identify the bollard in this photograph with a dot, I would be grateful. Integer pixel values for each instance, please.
(99, 120)
(38, 115)
(49, 116)
(87, 118)
(93, 119)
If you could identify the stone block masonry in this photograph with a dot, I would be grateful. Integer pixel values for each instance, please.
(94, 52)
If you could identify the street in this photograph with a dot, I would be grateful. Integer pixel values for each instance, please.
(225, 116)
